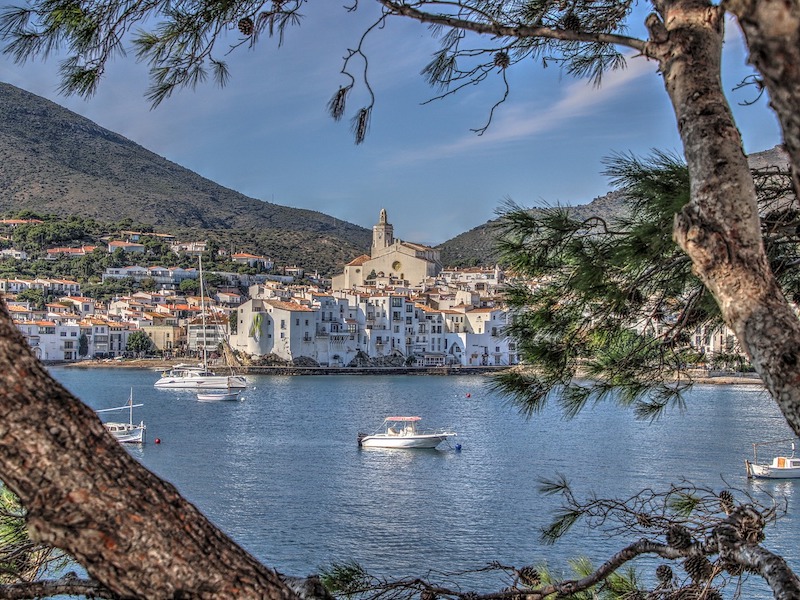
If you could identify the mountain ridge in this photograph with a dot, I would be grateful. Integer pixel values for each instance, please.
(58, 162)
(55, 161)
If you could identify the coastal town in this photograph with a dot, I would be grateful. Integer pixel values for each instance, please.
(397, 306)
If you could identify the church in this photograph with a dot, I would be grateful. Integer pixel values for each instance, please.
(393, 261)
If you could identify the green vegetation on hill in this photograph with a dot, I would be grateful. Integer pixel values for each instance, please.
(57, 162)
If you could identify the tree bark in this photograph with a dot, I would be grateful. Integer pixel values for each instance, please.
(85, 494)
(719, 227)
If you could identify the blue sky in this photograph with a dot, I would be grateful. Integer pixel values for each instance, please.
(267, 133)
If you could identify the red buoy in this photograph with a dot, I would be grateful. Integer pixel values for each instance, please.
(469, 395)
(157, 440)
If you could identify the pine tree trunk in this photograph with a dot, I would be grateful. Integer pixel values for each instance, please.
(85, 494)
(719, 228)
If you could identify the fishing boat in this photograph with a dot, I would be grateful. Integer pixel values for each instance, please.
(781, 467)
(403, 432)
(126, 433)
(185, 376)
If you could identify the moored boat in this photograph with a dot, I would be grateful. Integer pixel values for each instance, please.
(403, 432)
(126, 433)
(217, 395)
(781, 467)
(198, 377)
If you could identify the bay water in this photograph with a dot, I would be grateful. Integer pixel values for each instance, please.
(280, 470)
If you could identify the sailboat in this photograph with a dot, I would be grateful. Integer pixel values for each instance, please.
(126, 433)
(199, 376)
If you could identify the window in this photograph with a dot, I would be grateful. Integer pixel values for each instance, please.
(297, 322)
(283, 325)
(397, 302)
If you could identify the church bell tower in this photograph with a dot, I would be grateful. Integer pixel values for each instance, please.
(382, 233)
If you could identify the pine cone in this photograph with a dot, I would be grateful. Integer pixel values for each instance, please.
(726, 503)
(695, 592)
(571, 22)
(501, 59)
(529, 576)
(732, 567)
(246, 26)
(699, 568)
(664, 573)
(679, 537)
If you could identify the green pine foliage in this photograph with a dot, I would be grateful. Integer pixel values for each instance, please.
(603, 309)
(21, 559)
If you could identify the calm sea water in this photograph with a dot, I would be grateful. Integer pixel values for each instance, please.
(281, 473)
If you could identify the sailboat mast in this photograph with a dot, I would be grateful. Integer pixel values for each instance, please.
(203, 310)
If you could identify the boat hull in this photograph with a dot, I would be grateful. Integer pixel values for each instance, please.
(202, 383)
(412, 441)
(125, 433)
(772, 472)
(217, 396)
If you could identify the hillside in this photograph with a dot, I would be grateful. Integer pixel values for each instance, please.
(476, 247)
(57, 162)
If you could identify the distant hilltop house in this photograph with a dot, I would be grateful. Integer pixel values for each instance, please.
(190, 248)
(135, 236)
(56, 253)
(125, 246)
(12, 223)
(251, 260)
(396, 261)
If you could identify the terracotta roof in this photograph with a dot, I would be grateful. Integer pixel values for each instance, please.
(357, 262)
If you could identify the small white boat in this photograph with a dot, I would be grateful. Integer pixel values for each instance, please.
(126, 433)
(402, 432)
(218, 395)
(781, 467)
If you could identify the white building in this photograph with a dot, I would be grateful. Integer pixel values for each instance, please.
(391, 261)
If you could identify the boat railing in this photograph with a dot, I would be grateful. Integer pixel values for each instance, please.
(767, 443)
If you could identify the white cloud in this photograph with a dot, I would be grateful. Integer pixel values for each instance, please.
(520, 121)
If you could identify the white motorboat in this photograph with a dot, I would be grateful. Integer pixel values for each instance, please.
(781, 467)
(402, 432)
(126, 433)
(217, 395)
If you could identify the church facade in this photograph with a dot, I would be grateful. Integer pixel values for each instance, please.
(392, 261)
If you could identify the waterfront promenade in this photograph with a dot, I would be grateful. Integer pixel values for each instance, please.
(698, 375)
